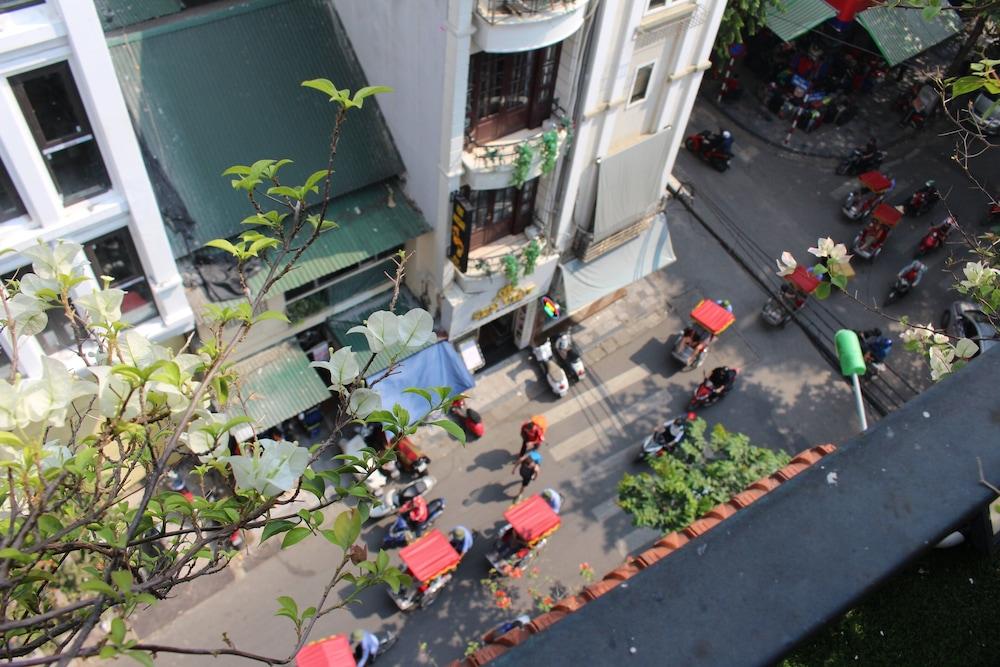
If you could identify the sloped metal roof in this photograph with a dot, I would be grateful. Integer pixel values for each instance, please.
(210, 89)
(901, 33)
(794, 17)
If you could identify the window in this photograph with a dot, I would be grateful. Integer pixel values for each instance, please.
(510, 91)
(10, 202)
(656, 4)
(59, 331)
(499, 213)
(4, 366)
(641, 83)
(51, 105)
(114, 255)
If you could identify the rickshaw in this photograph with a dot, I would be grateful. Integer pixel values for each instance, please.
(336, 651)
(430, 561)
(874, 187)
(799, 284)
(708, 320)
(870, 240)
(529, 525)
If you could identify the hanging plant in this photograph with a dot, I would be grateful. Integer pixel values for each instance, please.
(522, 164)
(529, 257)
(511, 268)
(550, 150)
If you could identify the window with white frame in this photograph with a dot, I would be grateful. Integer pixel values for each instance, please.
(51, 105)
(10, 203)
(656, 4)
(114, 255)
(640, 83)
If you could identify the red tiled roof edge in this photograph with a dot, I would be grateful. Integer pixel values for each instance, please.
(660, 550)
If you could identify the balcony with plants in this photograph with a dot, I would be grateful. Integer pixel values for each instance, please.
(505, 26)
(517, 158)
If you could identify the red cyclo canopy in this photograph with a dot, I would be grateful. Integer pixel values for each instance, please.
(887, 215)
(334, 651)
(532, 519)
(802, 279)
(712, 316)
(429, 556)
(875, 181)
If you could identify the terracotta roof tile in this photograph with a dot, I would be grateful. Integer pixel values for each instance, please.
(660, 550)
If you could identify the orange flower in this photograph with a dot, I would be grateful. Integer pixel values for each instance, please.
(548, 601)
(503, 602)
(516, 573)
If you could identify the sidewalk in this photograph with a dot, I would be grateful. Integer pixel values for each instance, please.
(875, 116)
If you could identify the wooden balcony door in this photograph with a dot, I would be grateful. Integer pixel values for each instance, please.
(500, 213)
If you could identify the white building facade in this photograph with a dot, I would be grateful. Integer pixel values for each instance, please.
(71, 168)
(538, 138)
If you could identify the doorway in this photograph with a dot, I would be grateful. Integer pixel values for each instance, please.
(496, 340)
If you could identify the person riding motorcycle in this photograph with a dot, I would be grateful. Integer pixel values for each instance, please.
(874, 236)
(875, 346)
(721, 141)
(552, 497)
(695, 339)
(415, 511)
(870, 150)
(460, 539)
(912, 273)
(930, 190)
(720, 379)
(365, 646)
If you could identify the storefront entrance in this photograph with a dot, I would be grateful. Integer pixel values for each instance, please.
(496, 339)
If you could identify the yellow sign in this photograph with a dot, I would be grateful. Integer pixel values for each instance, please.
(507, 295)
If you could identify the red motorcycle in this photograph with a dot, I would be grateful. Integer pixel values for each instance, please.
(936, 237)
(714, 387)
(468, 418)
(704, 146)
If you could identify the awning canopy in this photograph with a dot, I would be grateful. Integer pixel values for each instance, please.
(584, 283)
(795, 17)
(276, 385)
(436, 366)
(629, 185)
(901, 33)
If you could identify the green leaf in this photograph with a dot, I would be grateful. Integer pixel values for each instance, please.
(141, 657)
(223, 244)
(107, 652)
(315, 485)
(822, 290)
(98, 586)
(237, 170)
(117, 633)
(273, 528)
(343, 531)
(285, 191)
(294, 536)
(271, 315)
(423, 393)
(314, 178)
(289, 605)
(166, 371)
(966, 84)
(928, 13)
(11, 440)
(453, 429)
(9, 553)
(368, 91)
(122, 579)
(324, 86)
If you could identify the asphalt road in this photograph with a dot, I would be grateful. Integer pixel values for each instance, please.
(788, 397)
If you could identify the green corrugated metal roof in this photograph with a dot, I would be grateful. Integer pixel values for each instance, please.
(791, 18)
(903, 33)
(117, 14)
(278, 384)
(210, 89)
(340, 323)
(367, 226)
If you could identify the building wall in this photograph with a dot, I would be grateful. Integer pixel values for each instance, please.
(69, 31)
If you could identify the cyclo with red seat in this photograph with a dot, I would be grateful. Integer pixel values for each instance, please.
(794, 294)
(873, 188)
(430, 562)
(708, 320)
(529, 525)
(870, 240)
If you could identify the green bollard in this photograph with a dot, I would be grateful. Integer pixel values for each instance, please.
(852, 361)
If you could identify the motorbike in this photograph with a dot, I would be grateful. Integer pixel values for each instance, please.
(920, 202)
(505, 627)
(936, 237)
(701, 145)
(468, 418)
(707, 393)
(409, 459)
(553, 372)
(666, 440)
(403, 531)
(900, 288)
(430, 563)
(529, 525)
(392, 500)
(708, 320)
(876, 348)
(856, 162)
(792, 297)
(874, 186)
(568, 355)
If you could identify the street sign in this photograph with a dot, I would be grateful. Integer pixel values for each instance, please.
(461, 234)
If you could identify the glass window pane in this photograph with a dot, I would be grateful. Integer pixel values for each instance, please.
(114, 255)
(79, 171)
(641, 83)
(58, 335)
(4, 366)
(52, 104)
(10, 202)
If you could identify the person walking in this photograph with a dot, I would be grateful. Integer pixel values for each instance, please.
(528, 466)
(532, 434)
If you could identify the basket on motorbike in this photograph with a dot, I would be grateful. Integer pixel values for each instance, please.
(529, 524)
(708, 319)
(430, 560)
(800, 283)
(333, 651)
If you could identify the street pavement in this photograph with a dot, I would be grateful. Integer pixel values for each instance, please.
(789, 397)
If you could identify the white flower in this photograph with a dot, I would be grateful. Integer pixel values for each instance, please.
(966, 349)
(103, 306)
(50, 262)
(977, 275)
(824, 248)
(381, 330)
(46, 400)
(28, 314)
(138, 351)
(787, 264)
(270, 468)
(54, 455)
(416, 328)
(363, 402)
(111, 391)
(940, 358)
(839, 253)
(200, 438)
(342, 367)
(39, 288)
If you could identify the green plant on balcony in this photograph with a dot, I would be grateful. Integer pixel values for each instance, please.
(523, 159)
(511, 268)
(529, 257)
(550, 150)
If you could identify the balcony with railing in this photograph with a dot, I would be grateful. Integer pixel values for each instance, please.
(517, 157)
(507, 26)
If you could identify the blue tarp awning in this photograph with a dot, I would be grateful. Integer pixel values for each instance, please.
(436, 366)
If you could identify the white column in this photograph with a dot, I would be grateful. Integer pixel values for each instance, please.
(109, 117)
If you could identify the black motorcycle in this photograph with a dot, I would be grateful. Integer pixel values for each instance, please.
(900, 289)
(712, 389)
(857, 163)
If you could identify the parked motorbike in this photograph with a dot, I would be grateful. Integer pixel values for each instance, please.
(665, 441)
(403, 531)
(554, 374)
(393, 499)
(569, 355)
(936, 237)
(701, 144)
(468, 418)
(714, 387)
(921, 201)
(856, 162)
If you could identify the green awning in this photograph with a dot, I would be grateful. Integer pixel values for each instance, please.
(339, 325)
(220, 86)
(370, 221)
(277, 384)
(791, 18)
(902, 33)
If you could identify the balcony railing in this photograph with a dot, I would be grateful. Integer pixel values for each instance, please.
(501, 11)
(493, 154)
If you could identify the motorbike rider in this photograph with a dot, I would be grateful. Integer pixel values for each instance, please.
(460, 539)
(674, 429)
(793, 296)
(875, 346)
(415, 511)
(874, 235)
(365, 646)
(722, 141)
(944, 228)
(696, 339)
(930, 191)
(870, 150)
(912, 273)
(552, 497)
(720, 379)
